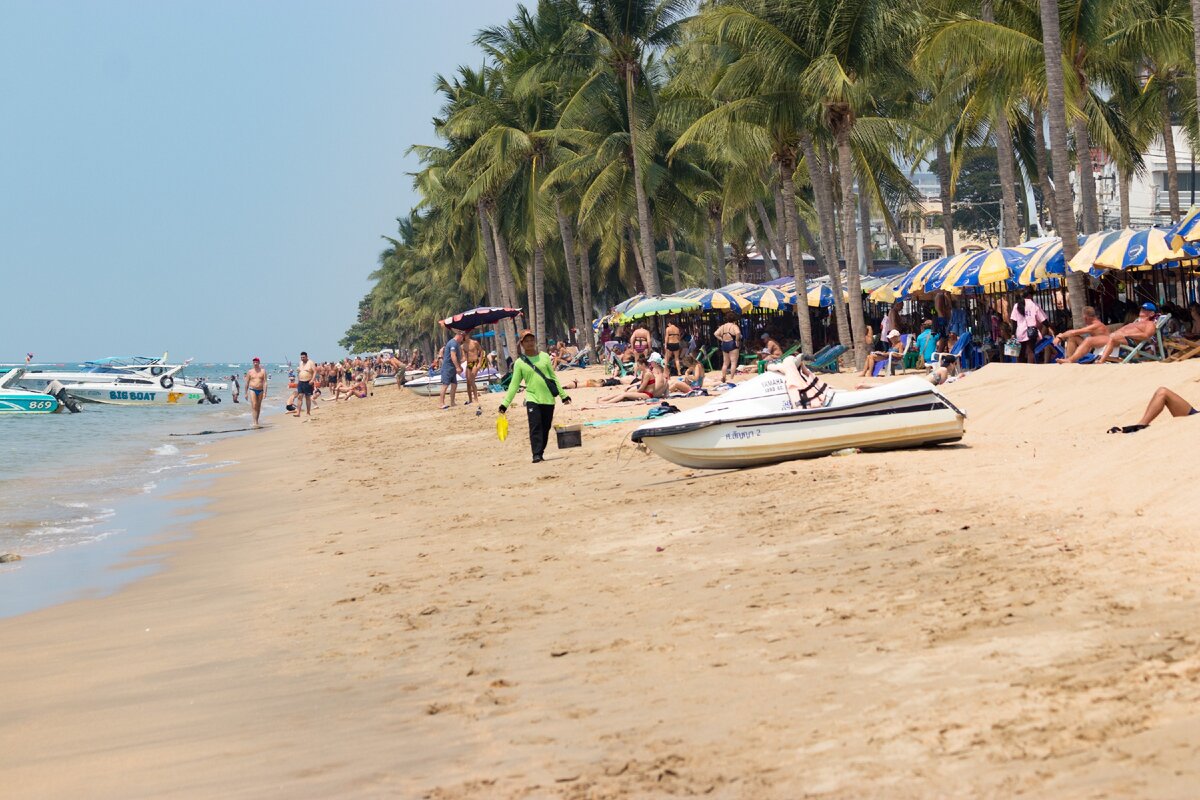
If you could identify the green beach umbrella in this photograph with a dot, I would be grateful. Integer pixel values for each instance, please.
(656, 307)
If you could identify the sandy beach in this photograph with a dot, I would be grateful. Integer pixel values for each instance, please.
(388, 602)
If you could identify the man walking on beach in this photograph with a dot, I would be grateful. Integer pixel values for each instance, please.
(541, 387)
(451, 366)
(305, 373)
(256, 389)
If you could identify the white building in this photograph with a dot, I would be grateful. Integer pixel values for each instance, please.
(1148, 201)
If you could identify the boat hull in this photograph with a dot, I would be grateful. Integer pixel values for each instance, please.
(18, 402)
(912, 414)
(139, 396)
(431, 386)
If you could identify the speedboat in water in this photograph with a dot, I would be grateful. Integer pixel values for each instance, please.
(15, 400)
(137, 390)
(115, 369)
(761, 422)
(431, 385)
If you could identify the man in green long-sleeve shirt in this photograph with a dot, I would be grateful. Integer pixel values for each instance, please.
(541, 387)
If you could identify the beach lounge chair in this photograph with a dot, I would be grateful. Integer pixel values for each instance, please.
(888, 365)
(1048, 342)
(959, 351)
(1181, 349)
(1150, 349)
(706, 357)
(579, 361)
(826, 359)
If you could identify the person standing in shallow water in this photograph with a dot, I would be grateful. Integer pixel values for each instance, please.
(541, 387)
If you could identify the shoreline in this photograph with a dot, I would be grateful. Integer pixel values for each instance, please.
(415, 610)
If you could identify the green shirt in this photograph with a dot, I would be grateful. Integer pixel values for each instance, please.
(536, 390)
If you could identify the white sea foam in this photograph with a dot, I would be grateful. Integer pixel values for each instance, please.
(165, 450)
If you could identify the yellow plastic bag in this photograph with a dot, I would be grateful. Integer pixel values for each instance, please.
(502, 427)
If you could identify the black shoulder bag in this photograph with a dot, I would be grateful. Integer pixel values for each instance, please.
(550, 384)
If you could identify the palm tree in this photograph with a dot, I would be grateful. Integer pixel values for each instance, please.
(1064, 216)
(622, 34)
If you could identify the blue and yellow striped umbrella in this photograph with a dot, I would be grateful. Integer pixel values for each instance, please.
(821, 296)
(1044, 262)
(771, 298)
(988, 267)
(1136, 249)
(717, 300)
(1090, 247)
(1186, 230)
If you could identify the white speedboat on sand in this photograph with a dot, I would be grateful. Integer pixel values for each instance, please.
(760, 422)
(431, 385)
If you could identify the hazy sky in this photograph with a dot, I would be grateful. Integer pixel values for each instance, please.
(210, 178)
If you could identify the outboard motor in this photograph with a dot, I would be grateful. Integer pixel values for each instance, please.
(209, 394)
(59, 393)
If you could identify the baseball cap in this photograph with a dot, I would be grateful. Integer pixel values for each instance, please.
(1149, 307)
(256, 359)
(525, 333)
(893, 333)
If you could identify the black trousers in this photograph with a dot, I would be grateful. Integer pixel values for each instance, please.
(541, 419)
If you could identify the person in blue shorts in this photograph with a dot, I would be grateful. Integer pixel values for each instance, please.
(451, 366)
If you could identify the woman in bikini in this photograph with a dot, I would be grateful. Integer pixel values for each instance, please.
(729, 336)
(672, 338)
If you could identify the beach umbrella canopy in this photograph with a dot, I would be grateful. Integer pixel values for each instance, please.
(483, 315)
(902, 288)
(738, 287)
(987, 267)
(821, 296)
(1186, 230)
(1090, 247)
(770, 298)
(1133, 249)
(1043, 262)
(657, 306)
(625, 305)
(718, 300)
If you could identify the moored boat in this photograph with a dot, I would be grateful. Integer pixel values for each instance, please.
(431, 385)
(15, 400)
(760, 422)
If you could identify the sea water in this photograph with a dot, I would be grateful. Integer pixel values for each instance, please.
(63, 477)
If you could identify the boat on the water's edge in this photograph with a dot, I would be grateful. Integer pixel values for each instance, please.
(115, 369)
(15, 400)
(758, 423)
(141, 391)
(431, 385)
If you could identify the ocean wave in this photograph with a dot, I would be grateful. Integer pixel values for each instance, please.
(165, 450)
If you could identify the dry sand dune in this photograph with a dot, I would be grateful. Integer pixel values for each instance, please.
(388, 602)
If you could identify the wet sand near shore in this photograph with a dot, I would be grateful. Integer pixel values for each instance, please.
(388, 602)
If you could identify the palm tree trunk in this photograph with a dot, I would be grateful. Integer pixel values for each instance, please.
(719, 240)
(944, 192)
(708, 267)
(1046, 213)
(585, 283)
(822, 181)
(864, 223)
(780, 215)
(894, 229)
(637, 258)
(539, 282)
(752, 231)
(643, 205)
(567, 233)
(1064, 216)
(776, 252)
(858, 327)
(1008, 181)
(674, 256)
(791, 221)
(1126, 184)
(737, 259)
(495, 293)
(1196, 57)
(508, 288)
(1087, 178)
(1168, 135)
(533, 312)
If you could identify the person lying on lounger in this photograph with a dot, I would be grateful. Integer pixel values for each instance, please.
(1092, 326)
(895, 349)
(1163, 398)
(1139, 330)
(653, 384)
(946, 369)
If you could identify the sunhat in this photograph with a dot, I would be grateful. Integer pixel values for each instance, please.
(893, 333)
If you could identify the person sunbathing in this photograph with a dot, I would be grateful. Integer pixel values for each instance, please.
(1163, 399)
(1137, 331)
(692, 377)
(771, 351)
(1092, 326)
(946, 369)
(895, 350)
(653, 384)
